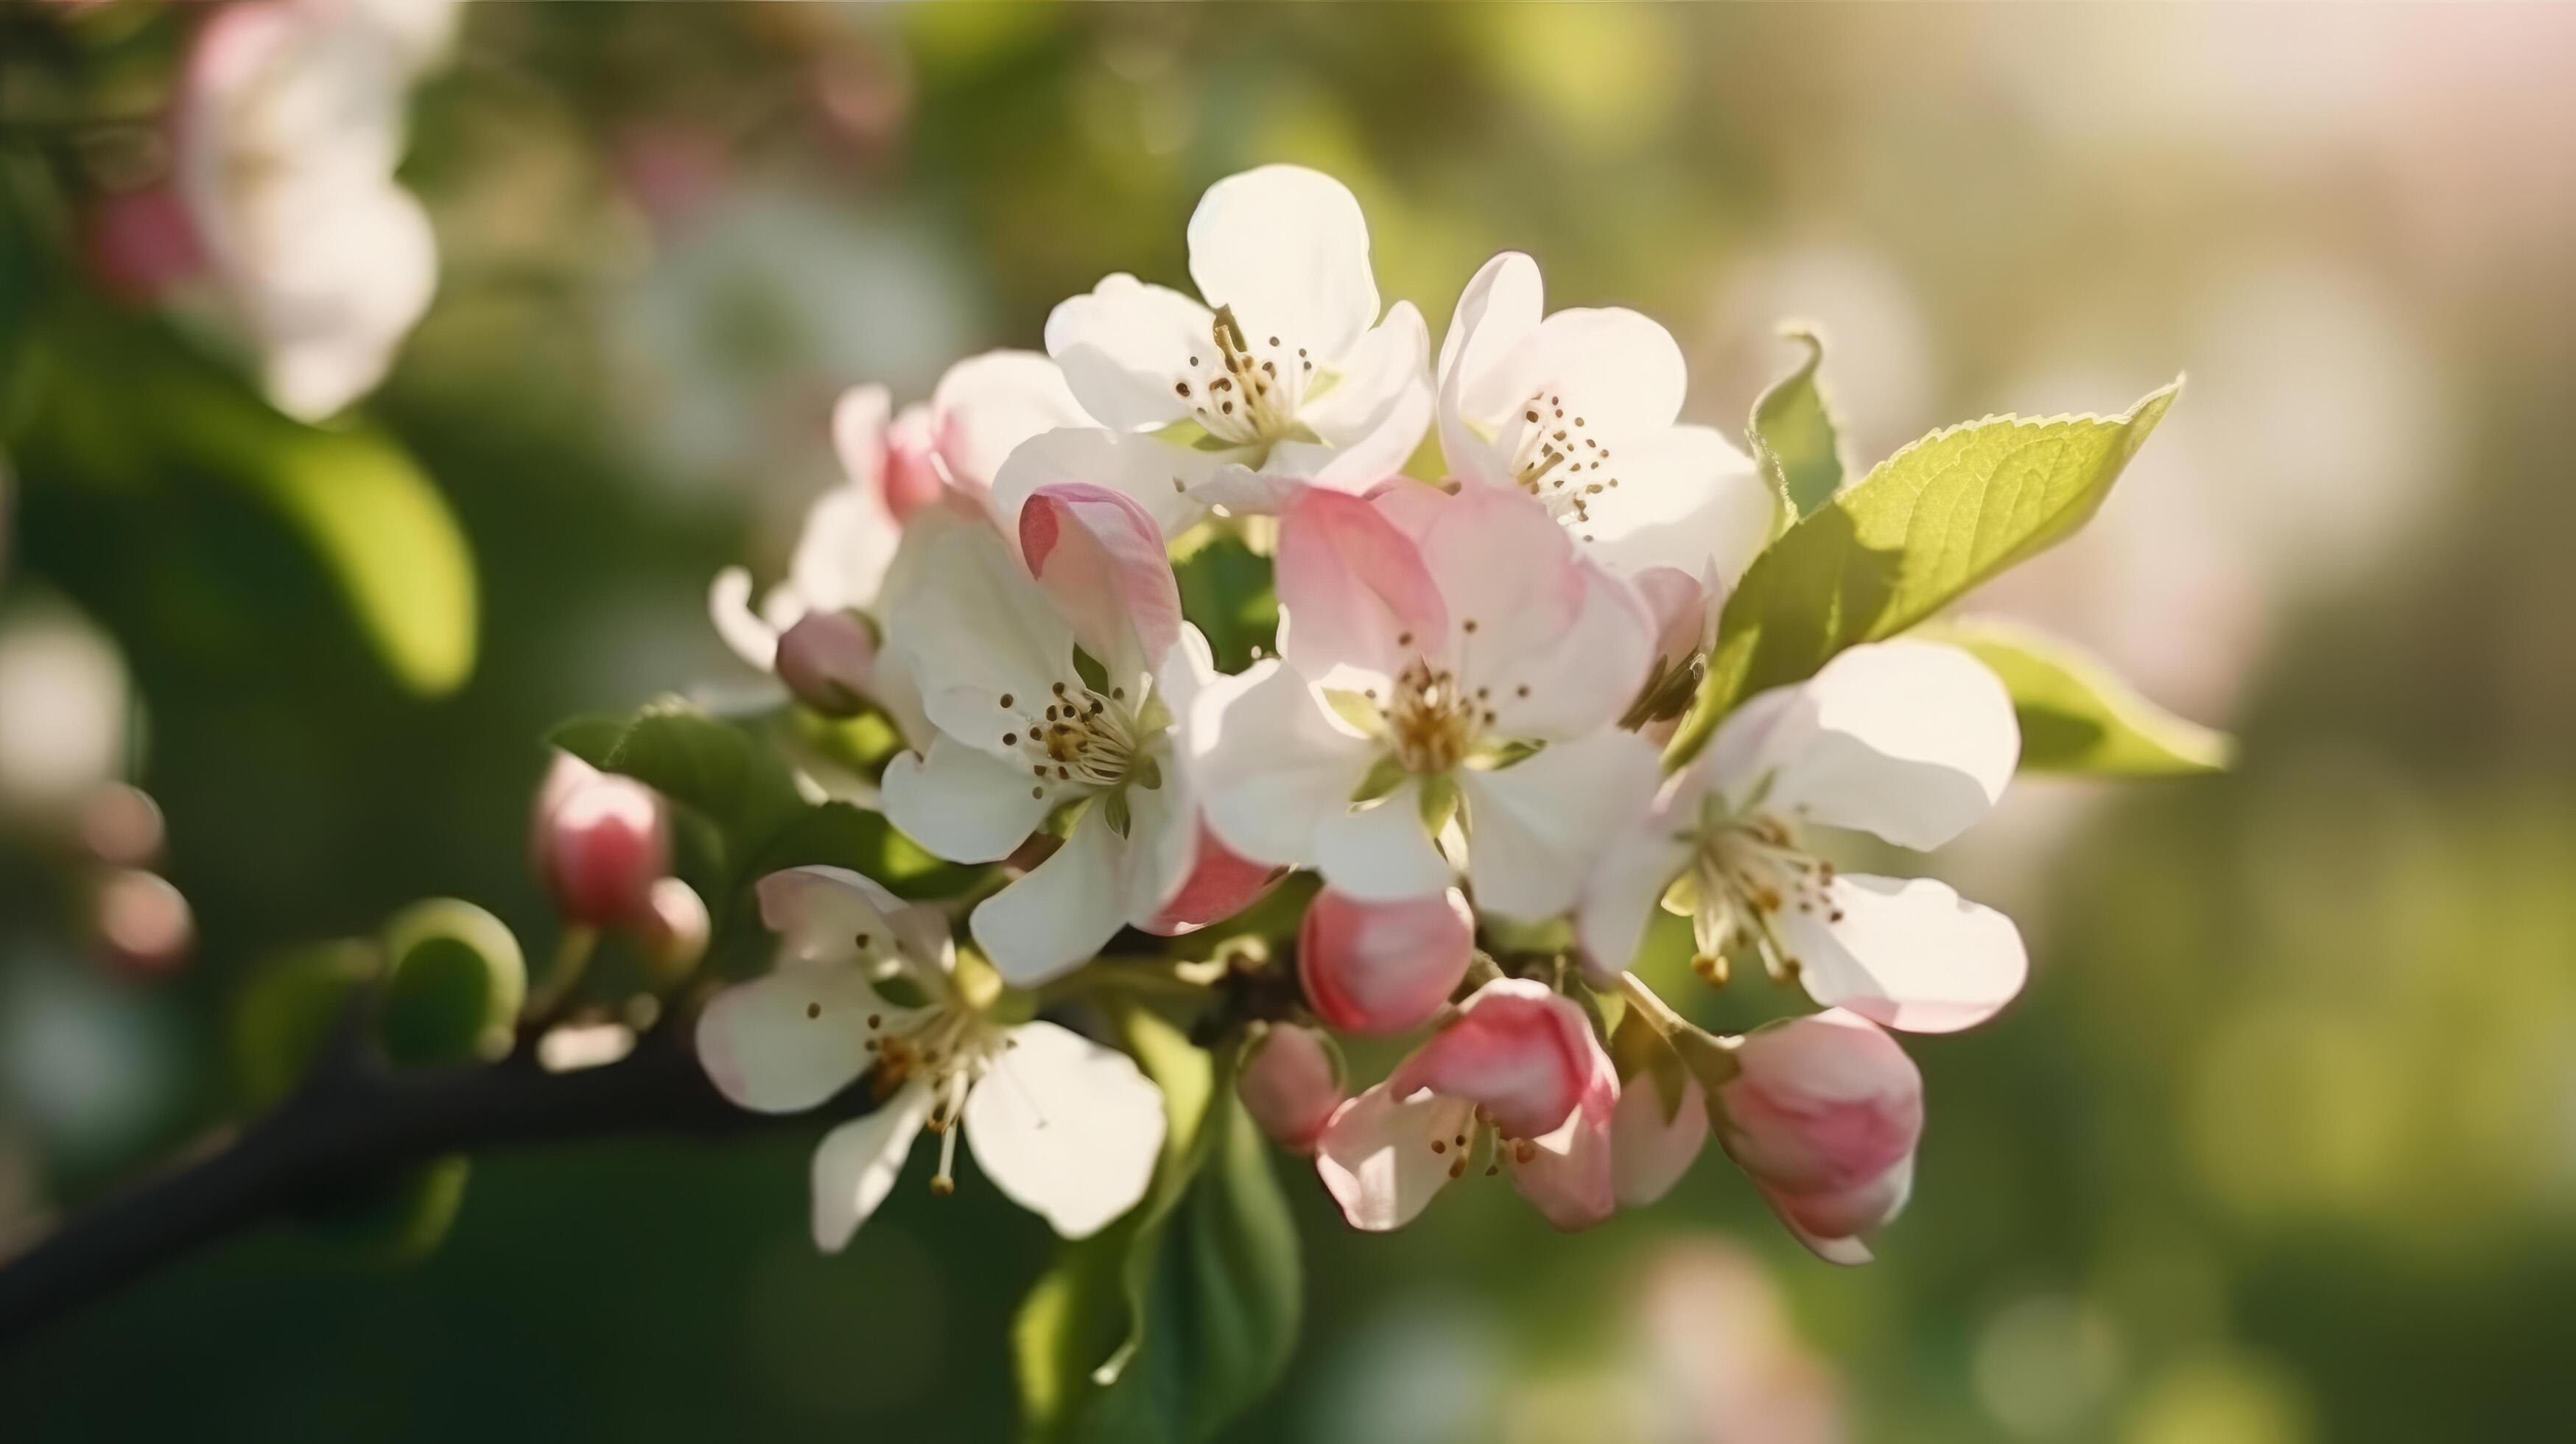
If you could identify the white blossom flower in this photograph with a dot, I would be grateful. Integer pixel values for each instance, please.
(1432, 648)
(1578, 409)
(289, 130)
(1285, 370)
(1910, 740)
(1067, 1128)
(1050, 684)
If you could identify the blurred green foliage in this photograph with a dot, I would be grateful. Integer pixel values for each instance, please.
(2275, 1149)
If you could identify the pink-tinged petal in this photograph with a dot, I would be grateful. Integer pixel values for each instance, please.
(1523, 1052)
(1383, 967)
(1583, 679)
(1101, 559)
(1288, 250)
(1570, 1175)
(1067, 1128)
(1124, 346)
(964, 804)
(915, 477)
(1681, 607)
(785, 1042)
(1382, 852)
(1655, 1138)
(1291, 1084)
(1054, 919)
(1387, 1152)
(1686, 499)
(860, 420)
(973, 628)
(1163, 478)
(1497, 316)
(1221, 883)
(1536, 828)
(858, 1162)
(1271, 766)
(828, 661)
(1907, 953)
(1500, 561)
(1911, 740)
(1356, 600)
(986, 405)
(1824, 1115)
(729, 605)
(599, 841)
(833, 915)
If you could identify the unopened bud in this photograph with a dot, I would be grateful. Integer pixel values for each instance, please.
(600, 841)
(144, 923)
(1291, 1082)
(672, 932)
(828, 660)
(1383, 967)
(1824, 1116)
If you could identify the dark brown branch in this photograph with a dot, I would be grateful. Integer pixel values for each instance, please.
(351, 1126)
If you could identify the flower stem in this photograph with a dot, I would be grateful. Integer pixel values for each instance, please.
(572, 959)
(1658, 1014)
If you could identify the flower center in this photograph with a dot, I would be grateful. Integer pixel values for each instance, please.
(1748, 874)
(1432, 722)
(1082, 737)
(1457, 1142)
(1556, 460)
(1243, 388)
(951, 1049)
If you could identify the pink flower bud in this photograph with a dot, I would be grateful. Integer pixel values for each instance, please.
(672, 930)
(1383, 967)
(1221, 883)
(913, 478)
(600, 843)
(1291, 1083)
(828, 660)
(1824, 1118)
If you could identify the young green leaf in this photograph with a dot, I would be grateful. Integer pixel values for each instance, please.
(1793, 436)
(1226, 589)
(838, 834)
(2076, 714)
(1924, 526)
(454, 983)
(712, 767)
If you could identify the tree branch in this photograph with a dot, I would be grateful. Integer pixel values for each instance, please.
(350, 1126)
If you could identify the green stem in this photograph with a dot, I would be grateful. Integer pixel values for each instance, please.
(573, 952)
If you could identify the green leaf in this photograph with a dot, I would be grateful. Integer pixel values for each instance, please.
(1226, 590)
(838, 834)
(454, 986)
(714, 768)
(2077, 715)
(395, 1220)
(1180, 1315)
(1924, 526)
(1793, 436)
(287, 1009)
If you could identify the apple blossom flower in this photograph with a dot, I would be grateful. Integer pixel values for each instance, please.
(1578, 409)
(1823, 1116)
(1433, 649)
(289, 128)
(1065, 1127)
(1050, 684)
(1910, 740)
(1383, 967)
(598, 843)
(1287, 368)
(1518, 1074)
(1291, 1082)
(807, 628)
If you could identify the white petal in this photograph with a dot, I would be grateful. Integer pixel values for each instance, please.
(1288, 249)
(964, 804)
(848, 543)
(986, 405)
(1270, 765)
(833, 915)
(785, 1042)
(1583, 680)
(858, 1162)
(1620, 897)
(1375, 413)
(1375, 1156)
(1161, 477)
(859, 422)
(1067, 1128)
(1124, 345)
(975, 628)
(1910, 740)
(1381, 852)
(1686, 499)
(1650, 1152)
(1535, 828)
(729, 604)
(1620, 371)
(1497, 316)
(1909, 954)
(1051, 921)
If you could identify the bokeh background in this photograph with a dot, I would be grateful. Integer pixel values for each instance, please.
(2278, 1148)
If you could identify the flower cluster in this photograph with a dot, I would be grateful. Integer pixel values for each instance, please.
(1458, 733)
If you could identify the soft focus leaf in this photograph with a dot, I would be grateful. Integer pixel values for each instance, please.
(722, 772)
(1181, 1314)
(1226, 591)
(286, 1010)
(2077, 715)
(1793, 436)
(394, 1221)
(840, 835)
(1923, 527)
(454, 984)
